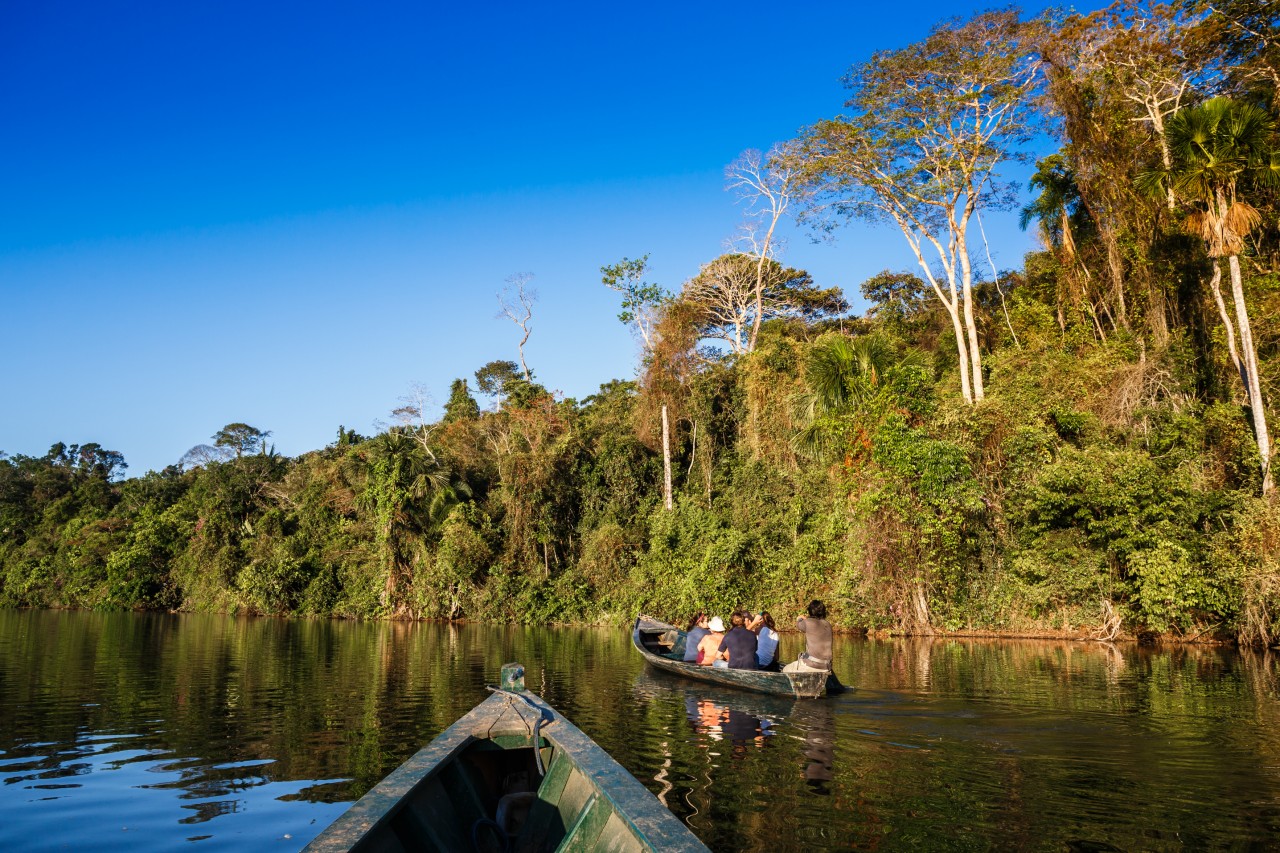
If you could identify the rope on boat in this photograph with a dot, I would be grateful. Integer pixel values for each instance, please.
(537, 723)
(500, 833)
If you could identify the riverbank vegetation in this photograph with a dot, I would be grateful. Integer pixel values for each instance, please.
(1080, 446)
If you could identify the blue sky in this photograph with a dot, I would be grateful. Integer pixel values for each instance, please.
(288, 214)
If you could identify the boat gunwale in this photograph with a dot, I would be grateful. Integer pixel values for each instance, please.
(653, 825)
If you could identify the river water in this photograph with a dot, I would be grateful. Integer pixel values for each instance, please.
(160, 732)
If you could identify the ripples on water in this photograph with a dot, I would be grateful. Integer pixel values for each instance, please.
(153, 732)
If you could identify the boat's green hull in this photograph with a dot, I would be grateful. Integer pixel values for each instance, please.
(449, 796)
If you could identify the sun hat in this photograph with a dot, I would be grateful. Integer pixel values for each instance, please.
(717, 624)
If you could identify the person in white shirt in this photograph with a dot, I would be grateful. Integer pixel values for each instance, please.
(766, 639)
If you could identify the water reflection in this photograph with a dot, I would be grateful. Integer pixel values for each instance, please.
(724, 722)
(817, 720)
(149, 731)
(249, 728)
(750, 721)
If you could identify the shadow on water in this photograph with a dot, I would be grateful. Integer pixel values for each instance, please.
(149, 730)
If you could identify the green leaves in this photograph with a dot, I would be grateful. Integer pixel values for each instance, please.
(640, 299)
(461, 405)
(1147, 525)
(241, 439)
(842, 377)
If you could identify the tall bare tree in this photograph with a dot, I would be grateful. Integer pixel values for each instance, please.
(410, 416)
(1101, 146)
(1141, 46)
(764, 184)
(930, 126)
(515, 302)
(1114, 78)
(1246, 34)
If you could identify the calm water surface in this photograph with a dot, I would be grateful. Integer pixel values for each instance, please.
(155, 732)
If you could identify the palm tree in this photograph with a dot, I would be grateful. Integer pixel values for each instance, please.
(1063, 219)
(1059, 208)
(1221, 148)
(841, 375)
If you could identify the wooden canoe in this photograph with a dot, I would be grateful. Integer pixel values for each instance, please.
(663, 648)
(480, 786)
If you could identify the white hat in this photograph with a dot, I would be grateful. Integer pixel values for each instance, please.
(717, 624)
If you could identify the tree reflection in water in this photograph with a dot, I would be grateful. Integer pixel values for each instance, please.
(258, 732)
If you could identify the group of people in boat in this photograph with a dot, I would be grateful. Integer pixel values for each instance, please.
(751, 641)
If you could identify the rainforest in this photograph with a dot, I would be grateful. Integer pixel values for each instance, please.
(1077, 447)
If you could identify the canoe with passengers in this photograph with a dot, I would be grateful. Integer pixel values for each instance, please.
(510, 775)
(663, 645)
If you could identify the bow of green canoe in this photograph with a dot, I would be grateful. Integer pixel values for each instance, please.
(481, 786)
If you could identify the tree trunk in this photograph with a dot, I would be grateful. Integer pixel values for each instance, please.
(693, 451)
(1157, 314)
(755, 321)
(1116, 267)
(666, 460)
(920, 609)
(1253, 386)
(963, 349)
(971, 328)
(952, 304)
(1215, 284)
(1166, 158)
(971, 331)
(528, 377)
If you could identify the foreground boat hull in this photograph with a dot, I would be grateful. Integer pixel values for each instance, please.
(449, 795)
(649, 636)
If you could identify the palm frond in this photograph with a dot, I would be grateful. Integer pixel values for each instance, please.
(1241, 218)
(1219, 147)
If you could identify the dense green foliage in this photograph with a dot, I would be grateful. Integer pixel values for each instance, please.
(1109, 482)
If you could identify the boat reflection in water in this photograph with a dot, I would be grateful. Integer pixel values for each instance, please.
(724, 722)
(752, 721)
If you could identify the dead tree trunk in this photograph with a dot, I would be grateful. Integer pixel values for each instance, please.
(666, 460)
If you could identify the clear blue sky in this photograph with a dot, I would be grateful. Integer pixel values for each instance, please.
(288, 213)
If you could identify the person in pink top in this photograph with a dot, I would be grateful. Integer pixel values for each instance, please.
(710, 645)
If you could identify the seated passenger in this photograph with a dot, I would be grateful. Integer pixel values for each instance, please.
(695, 632)
(738, 648)
(710, 644)
(817, 637)
(767, 637)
